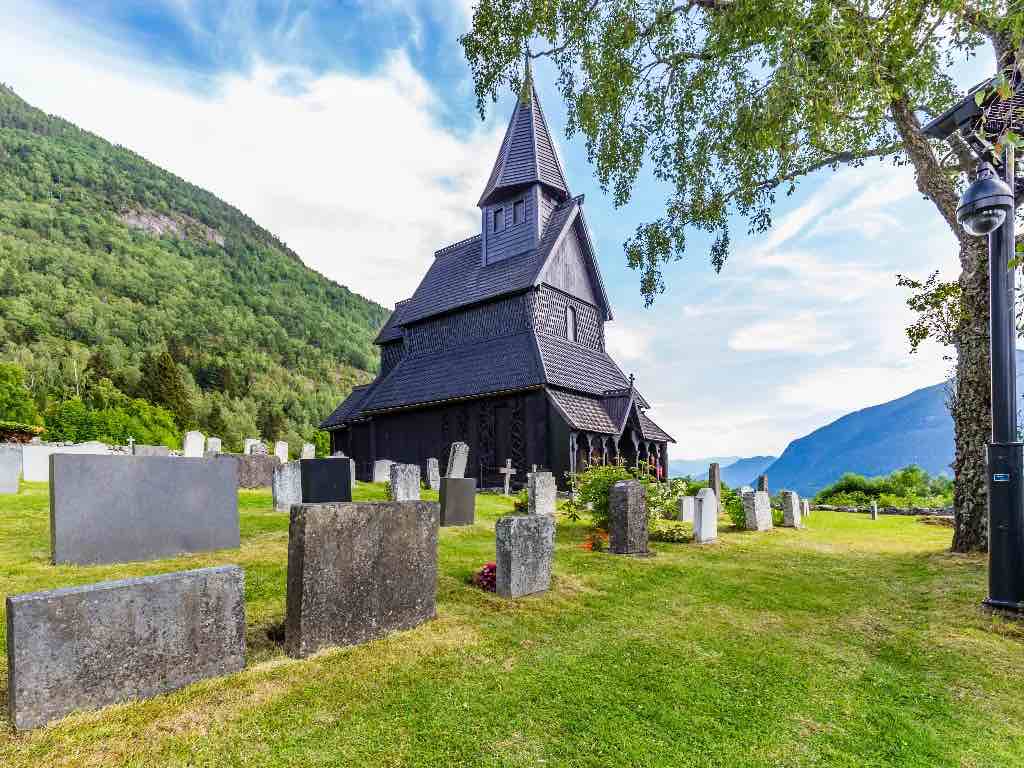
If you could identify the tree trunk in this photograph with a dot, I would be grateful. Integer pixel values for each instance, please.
(971, 401)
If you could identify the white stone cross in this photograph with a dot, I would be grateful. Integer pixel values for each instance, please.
(507, 471)
(131, 445)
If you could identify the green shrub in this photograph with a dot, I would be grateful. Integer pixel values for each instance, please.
(522, 502)
(907, 487)
(593, 486)
(674, 531)
(16, 404)
(112, 417)
(732, 503)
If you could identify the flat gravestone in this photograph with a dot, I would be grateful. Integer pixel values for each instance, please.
(791, 510)
(433, 474)
(194, 445)
(287, 486)
(404, 482)
(118, 509)
(458, 458)
(90, 646)
(382, 470)
(458, 500)
(627, 518)
(524, 549)
(248, 444)
(150, 450)
(326, 480)
(254, 470)
(541, 492)
(214, 445)
(757, 511)
(686, 508)
(308, 451)
(705, 517)
(10, 467)
(281, 451)
(357, 571)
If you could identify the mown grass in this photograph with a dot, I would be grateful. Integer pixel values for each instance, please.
(851, 643)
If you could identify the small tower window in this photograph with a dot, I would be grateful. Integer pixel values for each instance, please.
(518, 211)
(499, 220)
(570, 323)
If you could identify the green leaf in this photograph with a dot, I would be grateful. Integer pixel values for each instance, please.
(979, 97)
(1011, 138)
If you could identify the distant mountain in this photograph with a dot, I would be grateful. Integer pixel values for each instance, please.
(745, 471)
(697, 468)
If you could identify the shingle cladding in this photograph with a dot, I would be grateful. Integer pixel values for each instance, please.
(348, 409)
(579, 368)
(582, 412)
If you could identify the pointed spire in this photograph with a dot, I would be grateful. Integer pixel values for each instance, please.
(526, 91)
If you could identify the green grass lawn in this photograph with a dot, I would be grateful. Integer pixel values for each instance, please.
(851, 643)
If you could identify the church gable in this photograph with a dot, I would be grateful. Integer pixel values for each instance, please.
(568, 270)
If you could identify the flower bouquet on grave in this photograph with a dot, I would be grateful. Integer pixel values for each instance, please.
(486, 577)
(597, 541)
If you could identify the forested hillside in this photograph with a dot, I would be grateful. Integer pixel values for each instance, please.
(110, 268)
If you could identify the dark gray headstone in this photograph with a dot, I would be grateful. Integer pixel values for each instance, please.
(255, 470)
(627, 518)
(762, 483)
(327, 480)
(524, 549)
(10, 467)
(458, 457)
(404, 482)
(87, 647)
(791, 512)
(715, 480)
(357, 571)
(150, 450)
(458, 500)
(433, 474)
(116, 509)
(287, 486)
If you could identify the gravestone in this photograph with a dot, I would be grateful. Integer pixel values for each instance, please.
(35, 457)
(805, 507)
(433, 474)
(255, 470)
(757, 509)
(524, 549)
(117, 509)
(458, 457)
(507, 471)
(308, 451)
(90, 646)
(213, 445)
(10, 467)
(705, 517)
(791, 510)
(382, 470)
(150, 450)
(259, 449)
(715, 480)
(874, 510)
(458, 500)
(541, 492)
(194, 445)
(248, 443)
(762, 483)
(404, 482)
(357, 571)
(327, 480)
(281, 451)
(745, 489)
(627, 518)
(287, 486)
(687, 505)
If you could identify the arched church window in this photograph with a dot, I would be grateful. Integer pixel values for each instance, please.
(570, 323)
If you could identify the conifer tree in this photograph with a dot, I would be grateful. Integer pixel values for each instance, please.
(162, 385)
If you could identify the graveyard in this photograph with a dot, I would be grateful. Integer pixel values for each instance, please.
(849, 641)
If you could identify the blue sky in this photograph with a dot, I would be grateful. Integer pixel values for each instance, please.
(322, 119)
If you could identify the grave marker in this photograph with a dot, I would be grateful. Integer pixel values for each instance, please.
(715, 480)
(382, 470)
(287, 486)
(705, 517)
(627, 518)
(791, 510)
(308, 451)
(524, 549)
(541, 492)
(458, 500)
(687, 505)
(10, 467)
(757, 509)
(433, 474)
(248, 443)
(762, 483)
(458, 457)
(805, 507)
(874, 510)
(194, 445)
(405, 482)
(213, 445)
(281, 451)
(507, 471)
(327, 480)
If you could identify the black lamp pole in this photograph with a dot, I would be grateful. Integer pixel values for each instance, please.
(1005, 452)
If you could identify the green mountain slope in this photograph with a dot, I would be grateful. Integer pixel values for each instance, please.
(107, 260)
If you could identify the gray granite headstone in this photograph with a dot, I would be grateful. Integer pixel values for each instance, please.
(214, 445)
(458, 500)
(705, 517)
(382, 470)
(287, 486)
(357, 571)
(308, 451)
(404, 482)
(281, 450)
(10, 467)
(541, 492)
(686, 508)
(90, 646)
(791, 510)
(433, 474)
(715, 480)
(255, 470)
(524, 549)
(757, 510)
(458, 457)
(627, 518)
(194, 445)
(117, 509)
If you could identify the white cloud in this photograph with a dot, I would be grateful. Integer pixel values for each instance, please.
(353, 173)
(626, 341)
(799, 333)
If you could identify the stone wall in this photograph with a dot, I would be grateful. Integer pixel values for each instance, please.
(35, 457)
(906, 511)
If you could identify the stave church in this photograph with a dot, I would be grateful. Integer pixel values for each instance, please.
(502, 345)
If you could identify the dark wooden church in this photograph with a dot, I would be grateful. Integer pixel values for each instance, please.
(502, 344)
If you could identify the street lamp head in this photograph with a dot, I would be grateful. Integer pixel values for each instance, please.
(986, 203)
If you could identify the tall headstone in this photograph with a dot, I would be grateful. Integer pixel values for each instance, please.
(627, 518)
(715, 480)
(805, 507)
(281, 451)
(194, 445)
(687, 504)
(542, 493)
(10, 467)
(287, 486)
(357, 571)
(248, 443)
(874, 510)
(757, 510)
(705, 517)
(458, 457)
(89, 646)
(524, 549)
(308, 451)
(762, 483)
(405, 482)
(791, 516)
(327, 480)
(458, 500)
(213, 445)
(433, 474)
(382, 470)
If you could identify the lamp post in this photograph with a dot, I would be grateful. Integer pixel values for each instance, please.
(987, 208)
